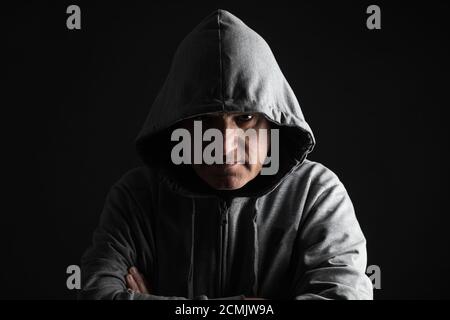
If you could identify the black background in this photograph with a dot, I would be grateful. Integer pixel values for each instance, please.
(74, 102)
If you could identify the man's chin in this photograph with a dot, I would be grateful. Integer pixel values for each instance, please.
(229, 182)
(225, 177)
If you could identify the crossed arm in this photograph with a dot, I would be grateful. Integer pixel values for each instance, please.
(136, 281)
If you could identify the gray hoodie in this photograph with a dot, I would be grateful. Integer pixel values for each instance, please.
(292, 235)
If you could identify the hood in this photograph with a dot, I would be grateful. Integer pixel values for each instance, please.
(224, 66)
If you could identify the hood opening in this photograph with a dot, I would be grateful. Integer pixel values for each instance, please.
(155, 151)
(222, 65)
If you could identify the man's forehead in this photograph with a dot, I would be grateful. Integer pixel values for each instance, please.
(189, 121)
(224, 114)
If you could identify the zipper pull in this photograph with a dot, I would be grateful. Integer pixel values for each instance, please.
(224, 220)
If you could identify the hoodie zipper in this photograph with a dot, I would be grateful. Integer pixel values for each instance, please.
(224, 208)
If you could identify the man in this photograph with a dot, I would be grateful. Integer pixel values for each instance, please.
(226, 230)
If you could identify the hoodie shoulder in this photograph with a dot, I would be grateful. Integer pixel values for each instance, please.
(139, 183)
(307, 183)
(136, 177)
(316, 173)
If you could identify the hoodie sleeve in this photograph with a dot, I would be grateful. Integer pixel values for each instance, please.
(114, 250)
(331, 249)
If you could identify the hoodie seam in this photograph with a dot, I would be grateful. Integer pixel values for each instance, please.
(256, 267)
(192, 253)
(221, 88)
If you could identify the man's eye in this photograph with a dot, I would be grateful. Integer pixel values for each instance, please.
(244, 117)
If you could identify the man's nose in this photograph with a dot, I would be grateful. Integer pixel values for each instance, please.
(229, 134)
(229, 144)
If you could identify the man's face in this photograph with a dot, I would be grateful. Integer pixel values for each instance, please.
(231, 176)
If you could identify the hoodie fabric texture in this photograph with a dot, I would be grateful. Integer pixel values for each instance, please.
(292, 235)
